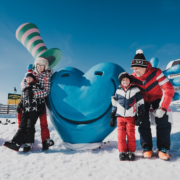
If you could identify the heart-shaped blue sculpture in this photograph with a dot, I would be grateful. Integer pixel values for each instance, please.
(80, 104)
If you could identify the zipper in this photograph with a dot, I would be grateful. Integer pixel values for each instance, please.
(144, 86)
(125, 103)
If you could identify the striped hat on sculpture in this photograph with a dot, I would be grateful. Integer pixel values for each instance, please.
(28, 34)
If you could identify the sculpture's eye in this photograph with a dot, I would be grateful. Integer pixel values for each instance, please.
(65, 75)
(99, 73)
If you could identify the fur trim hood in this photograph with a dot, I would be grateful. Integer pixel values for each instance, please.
(43, 61)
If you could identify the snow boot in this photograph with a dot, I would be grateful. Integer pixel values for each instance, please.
(12, 145)
(147, 152)
(27, 147)
(131, 156)
(122, 156)
(163, 154)
(47, 143)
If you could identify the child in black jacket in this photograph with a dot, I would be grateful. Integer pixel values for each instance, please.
(31, 109)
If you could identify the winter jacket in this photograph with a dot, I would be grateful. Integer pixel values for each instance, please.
(154, 85)
(127, 103)
(44, 79)
(29, 104)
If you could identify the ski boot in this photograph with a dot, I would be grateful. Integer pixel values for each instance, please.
(122, 156)
(163, 154)
(12, 145)
(27, 147)
(131, 156)
(47, 143)
(147, 152)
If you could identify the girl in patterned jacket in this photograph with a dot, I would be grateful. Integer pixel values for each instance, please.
(128, 107)
(43, 75)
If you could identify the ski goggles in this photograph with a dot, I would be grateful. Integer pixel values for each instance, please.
(38, 65)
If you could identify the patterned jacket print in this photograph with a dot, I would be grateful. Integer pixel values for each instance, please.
(29, 104)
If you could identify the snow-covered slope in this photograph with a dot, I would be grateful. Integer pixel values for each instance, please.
(60, 163)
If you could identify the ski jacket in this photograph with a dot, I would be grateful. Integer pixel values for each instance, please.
(154, 85)
(29, 104)
(127, 102)
(44, 79)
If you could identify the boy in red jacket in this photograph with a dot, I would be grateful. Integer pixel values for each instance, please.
(157, 92)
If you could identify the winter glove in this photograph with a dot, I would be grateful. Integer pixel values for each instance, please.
(30, 67)
(113, 119)
(139, 118)
(29, 92)
(41, 109)
(47, 143)
(19, 108)
(159, 113)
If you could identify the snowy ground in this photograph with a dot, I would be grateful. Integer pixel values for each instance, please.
(59, 163)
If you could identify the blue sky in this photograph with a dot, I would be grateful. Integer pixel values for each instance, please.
(88, 32)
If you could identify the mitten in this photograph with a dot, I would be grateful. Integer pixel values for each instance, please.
(41, 109)
(113, 119)
(18, 109)
(47, 143)
(30, 67)
(20, 105)
(159, 113)
(139, 118)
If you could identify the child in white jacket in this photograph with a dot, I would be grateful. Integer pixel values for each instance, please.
(128, 107)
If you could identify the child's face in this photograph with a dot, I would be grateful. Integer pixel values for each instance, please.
(29, 79)
(125, 82)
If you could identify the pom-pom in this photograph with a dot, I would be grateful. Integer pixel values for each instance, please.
(139, 51)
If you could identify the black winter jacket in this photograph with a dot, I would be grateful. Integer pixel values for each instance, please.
(30, 103)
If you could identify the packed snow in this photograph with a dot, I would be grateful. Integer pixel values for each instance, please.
(101, 164)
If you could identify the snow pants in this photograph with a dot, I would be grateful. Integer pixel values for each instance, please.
(27, 126)
(126, 126)
(163, 128)
(43, 123)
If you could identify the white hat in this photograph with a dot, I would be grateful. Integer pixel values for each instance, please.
(43, 61)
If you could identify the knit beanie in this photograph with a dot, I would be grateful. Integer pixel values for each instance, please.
(43, 61)
(31, 75)
(124, 75)
(139, 60)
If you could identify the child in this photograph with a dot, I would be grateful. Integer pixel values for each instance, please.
(31, 109)
(43, 75)
(128, 107)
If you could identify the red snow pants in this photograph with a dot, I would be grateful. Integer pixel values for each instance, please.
(126, 126)
(43, 123)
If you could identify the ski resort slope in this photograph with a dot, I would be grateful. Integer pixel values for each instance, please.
(59, 163)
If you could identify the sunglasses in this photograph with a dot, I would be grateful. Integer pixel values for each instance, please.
(38, 65)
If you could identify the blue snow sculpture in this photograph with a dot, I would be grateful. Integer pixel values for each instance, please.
(154, 62)
(176, 80)
(80, 104)
(172, 70)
